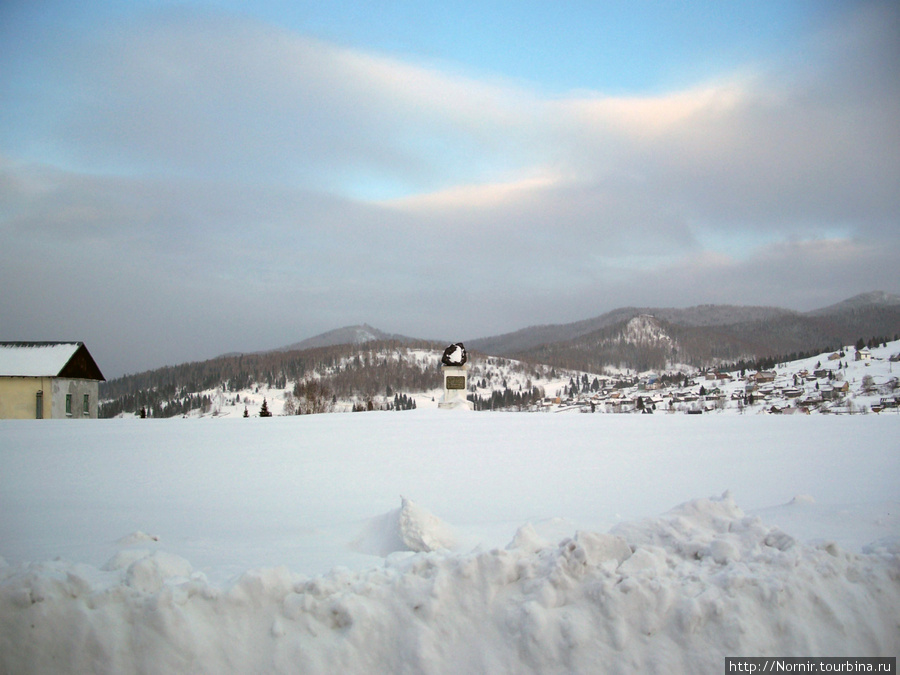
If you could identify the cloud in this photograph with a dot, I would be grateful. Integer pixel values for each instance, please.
(199, 177)
(227, 98)
(811, 271)
(200, 95)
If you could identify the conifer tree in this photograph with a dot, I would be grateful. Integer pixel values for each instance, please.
(264, 410)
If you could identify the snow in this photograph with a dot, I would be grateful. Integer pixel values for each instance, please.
(408, 528)
(36, 360)
(437, 542)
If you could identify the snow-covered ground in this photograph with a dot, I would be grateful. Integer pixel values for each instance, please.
(446, 541)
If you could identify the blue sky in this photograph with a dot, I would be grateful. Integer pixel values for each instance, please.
(615, 47)
(196, 178)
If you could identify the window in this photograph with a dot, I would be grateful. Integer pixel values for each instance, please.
(86, 410)
(39, 406)
(69, 404)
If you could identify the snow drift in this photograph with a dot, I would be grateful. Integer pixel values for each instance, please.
(672, 594)
(409, 528)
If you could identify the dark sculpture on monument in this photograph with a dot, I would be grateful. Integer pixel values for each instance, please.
(455, 369)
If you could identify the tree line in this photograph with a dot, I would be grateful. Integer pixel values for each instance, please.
(507, 399)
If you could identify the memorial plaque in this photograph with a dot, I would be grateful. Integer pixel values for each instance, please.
(456, 382)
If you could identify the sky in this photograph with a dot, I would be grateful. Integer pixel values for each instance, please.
(184, 179)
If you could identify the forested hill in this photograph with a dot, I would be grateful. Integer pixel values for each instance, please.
(699, 337)
(353, 371)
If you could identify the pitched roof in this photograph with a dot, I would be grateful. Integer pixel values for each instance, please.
(47, 359)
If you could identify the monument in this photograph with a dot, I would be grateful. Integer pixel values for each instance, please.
(455, 369)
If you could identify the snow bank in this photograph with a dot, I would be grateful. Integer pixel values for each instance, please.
(548, 555)
(673, 594)
(409, 528)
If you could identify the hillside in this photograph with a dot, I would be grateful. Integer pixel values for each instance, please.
(521, 341)
(701, 336)
(353, 372)
(376, 375)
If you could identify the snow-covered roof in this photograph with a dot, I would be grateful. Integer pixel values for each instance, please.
(35, 359)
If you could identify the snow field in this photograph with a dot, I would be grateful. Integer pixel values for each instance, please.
(525, 543)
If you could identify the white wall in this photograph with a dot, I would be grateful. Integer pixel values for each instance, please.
(77, 389)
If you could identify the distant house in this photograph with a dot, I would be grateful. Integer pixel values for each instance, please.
(48, 380)
(863, 354)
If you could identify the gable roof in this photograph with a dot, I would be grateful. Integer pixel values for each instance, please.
(48, 359)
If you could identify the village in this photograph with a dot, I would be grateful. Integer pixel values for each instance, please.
(849, 381)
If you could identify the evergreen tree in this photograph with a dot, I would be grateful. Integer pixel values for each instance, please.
(264, 410)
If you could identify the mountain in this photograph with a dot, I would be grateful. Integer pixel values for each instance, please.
(699, 336)
(349, 335)
(520, 341)
(861, 302)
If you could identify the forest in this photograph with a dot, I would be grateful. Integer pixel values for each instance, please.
(342, 371)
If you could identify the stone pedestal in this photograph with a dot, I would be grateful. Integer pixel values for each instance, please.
(456, 383)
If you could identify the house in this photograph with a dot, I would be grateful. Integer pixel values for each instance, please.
(863, 354)
(55, 380)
